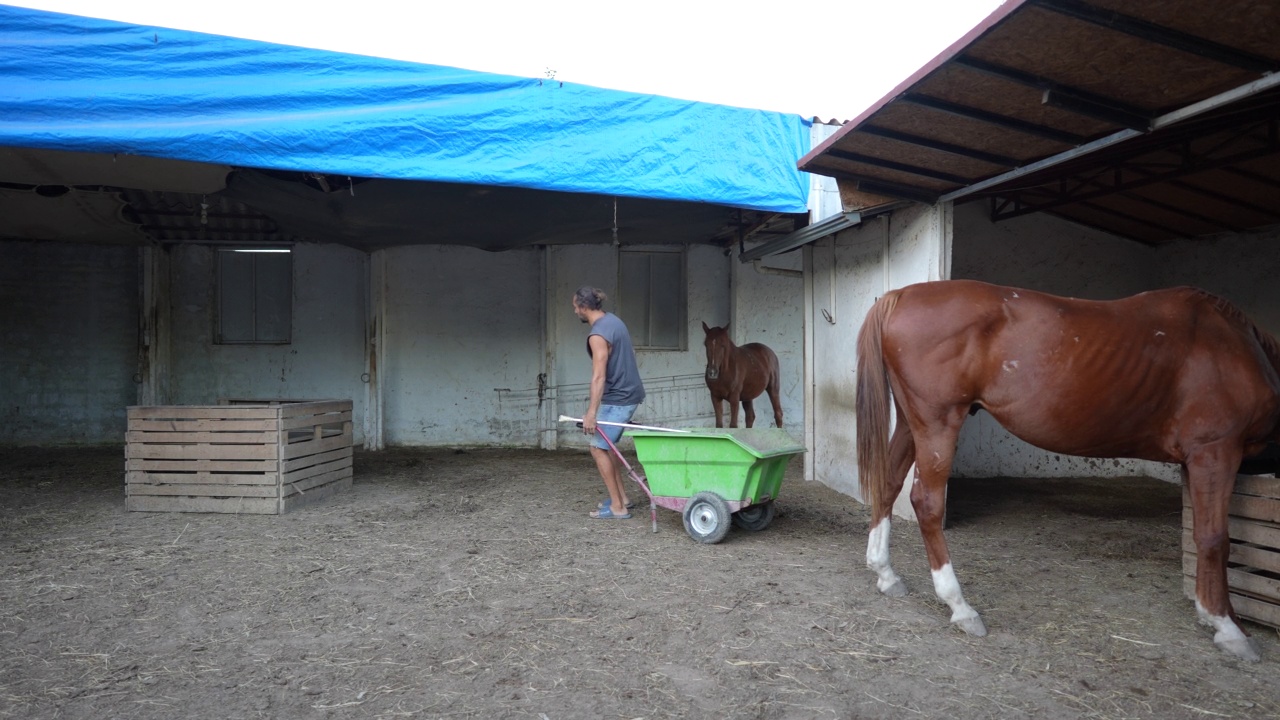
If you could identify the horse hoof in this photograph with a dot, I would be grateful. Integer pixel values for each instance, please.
(1243, 648)
(897, 589)
(972, 625)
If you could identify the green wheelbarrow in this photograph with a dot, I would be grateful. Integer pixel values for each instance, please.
(715, 477)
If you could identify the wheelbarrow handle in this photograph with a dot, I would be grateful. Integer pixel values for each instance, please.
(578, 421)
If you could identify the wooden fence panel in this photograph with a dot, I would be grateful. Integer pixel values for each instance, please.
(1253, 568)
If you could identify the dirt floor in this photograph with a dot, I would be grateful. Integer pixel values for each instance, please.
(473, 584)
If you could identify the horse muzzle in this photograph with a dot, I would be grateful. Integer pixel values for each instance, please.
(712, 372)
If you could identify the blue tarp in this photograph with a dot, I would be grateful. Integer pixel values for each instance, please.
(82, 84)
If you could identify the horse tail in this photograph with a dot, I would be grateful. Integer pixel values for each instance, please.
(775, 370)
(872, 405)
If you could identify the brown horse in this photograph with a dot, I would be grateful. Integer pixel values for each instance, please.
(740, 374)
(1176, 376)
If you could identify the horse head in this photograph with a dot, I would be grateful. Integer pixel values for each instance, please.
(718, 347)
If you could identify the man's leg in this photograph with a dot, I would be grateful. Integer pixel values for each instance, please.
(607, 465)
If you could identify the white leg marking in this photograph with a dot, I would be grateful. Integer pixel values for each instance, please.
(1228, 636)
(878, 559)
(948, 589)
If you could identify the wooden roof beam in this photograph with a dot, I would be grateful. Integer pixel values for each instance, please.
(1064, 100)
(939, 145)
(1225, 198)
(1131, 218)
(899, 167)
(1204, 219)
(1160, 35)
(1065, 97)
(1148, 242)
(886, 188)
(1255, 177)
(1004, 121)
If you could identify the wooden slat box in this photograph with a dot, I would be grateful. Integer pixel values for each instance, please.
(266, 458)
(1253, 570)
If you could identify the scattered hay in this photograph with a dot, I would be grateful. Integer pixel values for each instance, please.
(474, 585)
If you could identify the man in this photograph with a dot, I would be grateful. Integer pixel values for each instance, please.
(616, 391)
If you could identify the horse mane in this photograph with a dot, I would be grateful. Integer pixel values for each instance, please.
(1270, 346)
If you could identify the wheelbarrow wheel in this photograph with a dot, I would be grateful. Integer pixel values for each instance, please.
(706, 518)
(755, 517)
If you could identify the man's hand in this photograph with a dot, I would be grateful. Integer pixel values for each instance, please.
(589, 424)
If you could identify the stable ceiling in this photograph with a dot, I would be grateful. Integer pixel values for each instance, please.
(1154, 120)
(50, 195)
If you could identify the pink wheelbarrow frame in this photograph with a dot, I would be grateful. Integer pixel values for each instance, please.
(635, 476)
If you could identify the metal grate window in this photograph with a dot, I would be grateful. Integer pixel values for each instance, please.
(652, 297)
(255, 297)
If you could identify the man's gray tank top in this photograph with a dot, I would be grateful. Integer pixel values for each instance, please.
(622, 385)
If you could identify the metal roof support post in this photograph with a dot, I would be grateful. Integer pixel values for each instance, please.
(154, 324)
(375, 348)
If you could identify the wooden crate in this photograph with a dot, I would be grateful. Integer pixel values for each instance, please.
(1253, 570)
(264, 458)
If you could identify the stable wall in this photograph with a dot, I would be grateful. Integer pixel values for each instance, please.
(846, 274)
(68, 342)
(1045, 253)
(325, 358)
(484, 349)
(1243, 268)
(464, 336)
(460, 323)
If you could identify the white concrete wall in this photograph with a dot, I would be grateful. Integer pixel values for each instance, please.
(324, 360)
(68, 342)
(460, 323)
(919, 244)
(1051, 255)
(1243, 268)
(847, 275)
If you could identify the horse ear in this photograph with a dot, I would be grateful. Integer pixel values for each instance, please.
(705, 329)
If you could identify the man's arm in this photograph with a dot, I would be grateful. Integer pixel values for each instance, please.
(599, 362)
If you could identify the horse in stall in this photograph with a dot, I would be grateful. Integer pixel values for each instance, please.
(739, 375)
(1175, 375)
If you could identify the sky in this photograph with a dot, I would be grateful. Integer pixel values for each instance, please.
(830, 60)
